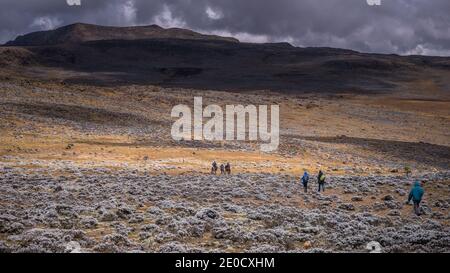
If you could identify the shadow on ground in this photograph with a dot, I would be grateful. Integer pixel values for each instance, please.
(431, 155)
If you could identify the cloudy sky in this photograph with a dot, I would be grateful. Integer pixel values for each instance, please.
(396, 26)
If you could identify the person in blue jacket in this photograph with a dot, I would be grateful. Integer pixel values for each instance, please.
(416, 196)
(305, 180)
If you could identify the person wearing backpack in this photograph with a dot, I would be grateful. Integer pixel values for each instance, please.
(416, 195)
(228, 168)
(321, 180)
(214, 168)
(305, 180)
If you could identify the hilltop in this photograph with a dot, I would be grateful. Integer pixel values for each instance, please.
(90, 54)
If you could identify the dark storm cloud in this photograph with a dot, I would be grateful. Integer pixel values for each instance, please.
(397, 26)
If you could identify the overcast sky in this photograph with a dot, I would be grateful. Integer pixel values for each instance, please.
(397, 26)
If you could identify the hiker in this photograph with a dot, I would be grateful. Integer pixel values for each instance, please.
(321, 180)
(416, 196)
(222, 169)
(228, 168)
(305, 180)
(214, 168)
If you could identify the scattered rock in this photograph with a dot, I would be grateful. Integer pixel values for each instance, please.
(89, 222)
(388, 198)
(73, 247)
(374, 247)
(357, 199)
(108, 217)
(124, 213)
(307, 245)
(207, 213)
(347, 206)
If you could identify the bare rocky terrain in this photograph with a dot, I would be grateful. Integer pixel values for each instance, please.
(87, 163)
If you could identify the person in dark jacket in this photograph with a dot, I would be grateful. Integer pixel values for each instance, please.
(222, 169)
(321, 181)
(228, 168)
(416, 195)
(214, 168)
(305, 179)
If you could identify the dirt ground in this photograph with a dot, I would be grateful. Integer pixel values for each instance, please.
(79, 134)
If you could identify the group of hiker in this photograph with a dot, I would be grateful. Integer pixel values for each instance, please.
(320, 181)
(415, 194)
(224, 169)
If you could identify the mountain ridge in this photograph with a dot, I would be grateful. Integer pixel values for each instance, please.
(81, 32)
(151, 55)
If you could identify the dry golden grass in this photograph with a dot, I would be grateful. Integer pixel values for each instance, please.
(383, 118)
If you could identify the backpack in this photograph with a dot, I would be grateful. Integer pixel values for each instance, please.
(305, 179)
(322, 178)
